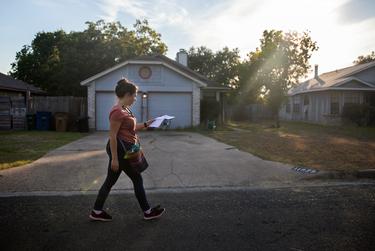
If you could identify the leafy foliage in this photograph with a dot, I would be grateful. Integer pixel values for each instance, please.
(365, 59)
(360, 114)
(278, 64)
(58, 61)
(210, 109)
(221, 66)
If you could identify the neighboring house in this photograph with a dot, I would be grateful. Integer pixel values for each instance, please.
(165, 87)
(10, 86)
(14, 101)
(322, 98)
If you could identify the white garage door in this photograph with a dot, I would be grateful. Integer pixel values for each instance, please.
(173, 104)
(104, 103)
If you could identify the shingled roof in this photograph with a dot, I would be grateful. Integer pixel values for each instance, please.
(168, 61)
(11, 84)
(333, 79)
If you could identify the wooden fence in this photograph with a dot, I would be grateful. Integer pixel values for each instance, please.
(13, 110)
(250, 112)
(75, 106)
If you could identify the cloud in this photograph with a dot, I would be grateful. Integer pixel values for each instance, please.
(158, 13)
(356, 11)
(228, 24)
(240, 23)
(111, 8)
(57, 4)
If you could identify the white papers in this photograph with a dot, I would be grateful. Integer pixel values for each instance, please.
(160, 120)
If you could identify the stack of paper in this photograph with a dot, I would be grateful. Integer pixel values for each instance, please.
(157, 122)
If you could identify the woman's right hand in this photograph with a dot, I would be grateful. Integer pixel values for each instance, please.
(114, 165)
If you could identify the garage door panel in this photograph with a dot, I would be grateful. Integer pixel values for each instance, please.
(173, 104)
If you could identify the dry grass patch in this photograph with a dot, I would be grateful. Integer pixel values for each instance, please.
(316, 146)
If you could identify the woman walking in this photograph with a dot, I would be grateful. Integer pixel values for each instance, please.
(123, 139)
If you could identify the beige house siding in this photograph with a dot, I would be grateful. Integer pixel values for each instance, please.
(319, 108)
(354, 84)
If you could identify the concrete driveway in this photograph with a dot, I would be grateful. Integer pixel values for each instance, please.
(177, 160)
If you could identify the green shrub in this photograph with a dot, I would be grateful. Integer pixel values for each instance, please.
(210, 109)
(360, 114)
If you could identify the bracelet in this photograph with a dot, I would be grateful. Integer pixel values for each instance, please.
(145, 124)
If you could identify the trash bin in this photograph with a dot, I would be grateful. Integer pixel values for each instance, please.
(83, 124)
(211, 124)
(43, 121)
(30, 120)
(61, 121)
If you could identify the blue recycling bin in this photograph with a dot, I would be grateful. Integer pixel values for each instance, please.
(43, 121)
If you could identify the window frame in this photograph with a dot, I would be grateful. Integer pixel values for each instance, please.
(297, 104)
(334, 106)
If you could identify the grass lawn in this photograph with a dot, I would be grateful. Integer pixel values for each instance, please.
(315, 146)
(22, 147)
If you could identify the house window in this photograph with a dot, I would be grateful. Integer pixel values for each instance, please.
(288, 107)
(335, 109)
(306, 100)
(351, 98)
(296, 105)
(296, 108)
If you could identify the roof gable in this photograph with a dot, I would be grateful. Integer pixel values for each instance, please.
(160, 60)
(353, 82)
(335, 79)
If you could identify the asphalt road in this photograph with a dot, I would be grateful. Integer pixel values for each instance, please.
(300, 218)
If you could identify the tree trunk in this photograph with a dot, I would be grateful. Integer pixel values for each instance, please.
(276, 118)
(277, 121)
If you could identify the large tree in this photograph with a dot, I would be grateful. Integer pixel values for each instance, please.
(279, 63)
(221, 66)
(365, 59)
(58, 61)
(249, 89)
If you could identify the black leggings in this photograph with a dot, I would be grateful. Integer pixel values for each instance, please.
(112, 177)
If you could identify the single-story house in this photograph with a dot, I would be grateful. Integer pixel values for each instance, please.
(322, 98)
(10, 86)
(166, 87)
(14, 101)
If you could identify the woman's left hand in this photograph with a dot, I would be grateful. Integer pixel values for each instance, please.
(149, 122)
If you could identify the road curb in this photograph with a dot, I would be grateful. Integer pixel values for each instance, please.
(360, 174)
(368, 174)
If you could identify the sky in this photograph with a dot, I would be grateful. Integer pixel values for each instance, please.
(343, 29)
